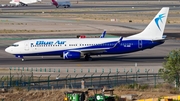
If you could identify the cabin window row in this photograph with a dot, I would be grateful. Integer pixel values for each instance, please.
(91, 44)
(80, 45)
(45, 45)
(73, 45)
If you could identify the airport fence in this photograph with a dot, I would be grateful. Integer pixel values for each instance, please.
(47, 78)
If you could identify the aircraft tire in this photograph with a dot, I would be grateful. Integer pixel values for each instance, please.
(22, 59)
(88, 58)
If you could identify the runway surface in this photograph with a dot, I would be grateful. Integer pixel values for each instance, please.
(147, 59)
(151, 58)
(81, 6)
(81, 23)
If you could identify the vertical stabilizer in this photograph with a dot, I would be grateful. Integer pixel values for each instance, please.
(156, 27)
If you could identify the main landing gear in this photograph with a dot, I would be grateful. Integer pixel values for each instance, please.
(22, 59)
(88, 57)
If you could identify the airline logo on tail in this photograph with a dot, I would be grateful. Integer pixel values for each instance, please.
(54, 2)
(159, 18)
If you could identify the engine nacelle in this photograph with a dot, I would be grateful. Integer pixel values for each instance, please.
(71, 55)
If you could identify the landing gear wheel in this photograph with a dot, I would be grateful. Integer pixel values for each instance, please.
(22, 59)
(88, 58)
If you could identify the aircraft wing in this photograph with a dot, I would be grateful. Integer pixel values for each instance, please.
(98, 50)
(25, 2)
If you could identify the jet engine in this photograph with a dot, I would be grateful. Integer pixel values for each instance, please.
(71, 55)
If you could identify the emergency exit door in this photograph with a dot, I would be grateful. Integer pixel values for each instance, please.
(26, 46)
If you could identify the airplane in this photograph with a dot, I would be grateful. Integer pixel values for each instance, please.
(74, 48)
(23, 2)
(65, 3)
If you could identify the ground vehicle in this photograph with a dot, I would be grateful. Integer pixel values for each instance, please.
(84, 95)
(64, 3)
(75, 95)
(103, 96)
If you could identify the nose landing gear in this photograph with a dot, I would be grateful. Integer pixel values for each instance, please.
(20, 56)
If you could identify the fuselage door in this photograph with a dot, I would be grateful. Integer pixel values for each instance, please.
(139, 44)
(26, 48)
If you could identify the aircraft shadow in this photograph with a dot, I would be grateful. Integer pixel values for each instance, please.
(107, 58)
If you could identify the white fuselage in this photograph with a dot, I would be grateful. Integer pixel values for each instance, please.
(48, 45)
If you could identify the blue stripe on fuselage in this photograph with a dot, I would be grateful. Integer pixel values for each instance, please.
(126, 46)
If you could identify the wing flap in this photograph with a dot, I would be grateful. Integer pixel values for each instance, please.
(92, 50)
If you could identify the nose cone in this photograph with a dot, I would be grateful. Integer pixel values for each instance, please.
(8, 50)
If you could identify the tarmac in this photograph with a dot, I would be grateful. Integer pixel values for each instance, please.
(148, 59)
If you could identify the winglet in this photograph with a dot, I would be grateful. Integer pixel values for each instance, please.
(103, 34)
(118, 42)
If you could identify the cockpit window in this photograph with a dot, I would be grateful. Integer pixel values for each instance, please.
(15, 45)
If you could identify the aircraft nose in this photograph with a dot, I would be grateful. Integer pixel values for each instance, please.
(7, 50)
